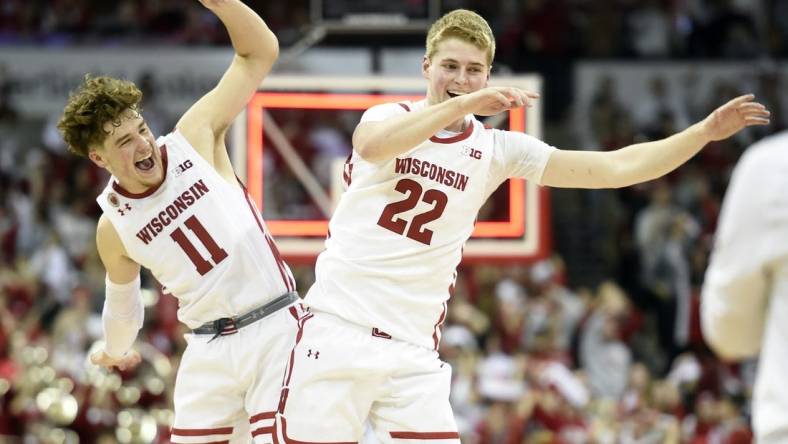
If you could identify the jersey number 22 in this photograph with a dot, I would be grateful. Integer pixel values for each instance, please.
(389, 220)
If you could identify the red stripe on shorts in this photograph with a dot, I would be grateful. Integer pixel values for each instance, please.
(261, 416)
(293, 441)
(226, 441)
(269, 430)
(291, 362)
(436, 339)
(286, 390)
(263, 431)
(202, 432)
(425, 435)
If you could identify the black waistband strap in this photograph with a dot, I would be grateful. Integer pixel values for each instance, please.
(216, 327)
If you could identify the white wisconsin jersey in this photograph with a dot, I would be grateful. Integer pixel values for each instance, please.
(396, 236)
(202, 237)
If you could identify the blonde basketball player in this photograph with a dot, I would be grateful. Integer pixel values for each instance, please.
(174, 206)
(417, 177)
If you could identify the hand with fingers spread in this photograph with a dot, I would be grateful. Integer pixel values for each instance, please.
(734, 116)
(125, 362)
(496, 99)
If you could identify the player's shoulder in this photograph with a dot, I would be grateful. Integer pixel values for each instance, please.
(503, 136)
(104, 225)
(409, 105)
(395, 107)
(383, 111)
(106, 234)
(769, 152)
(108, 242)
(176, 146)
(769, 144)
(173, 140)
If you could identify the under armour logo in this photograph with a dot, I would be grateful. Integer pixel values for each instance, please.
(309, 355)
(126, 207)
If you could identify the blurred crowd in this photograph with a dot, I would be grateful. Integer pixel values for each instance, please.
(537, 362)
(547, 352)
(51, 282)
(94, 22)
(556, 28)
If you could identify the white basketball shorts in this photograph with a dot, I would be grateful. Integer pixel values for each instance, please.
(227, 390)
(341, 375)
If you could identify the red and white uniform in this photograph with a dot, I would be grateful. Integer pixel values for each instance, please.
(206, 243)
(200, 236)
(397, 235)
(383, 282)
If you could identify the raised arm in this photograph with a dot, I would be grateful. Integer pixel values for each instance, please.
(256, 49)
(646, 161)
(380, 141)
(123, 311)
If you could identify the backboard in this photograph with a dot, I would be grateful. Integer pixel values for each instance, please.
(293, 138)
(391, 16)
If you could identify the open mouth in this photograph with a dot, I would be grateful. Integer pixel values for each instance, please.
(145, 164)
(454, 94)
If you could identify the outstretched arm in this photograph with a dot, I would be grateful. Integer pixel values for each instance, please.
(380, 141)
(123, 312)
(256, 49)
(646, 161)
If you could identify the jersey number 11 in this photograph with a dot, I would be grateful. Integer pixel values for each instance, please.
(217, 253)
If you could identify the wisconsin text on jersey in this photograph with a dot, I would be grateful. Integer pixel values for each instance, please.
(172, 211)
(431, 171)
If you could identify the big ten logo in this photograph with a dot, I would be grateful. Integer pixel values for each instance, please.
(178, 170)
(471, 152)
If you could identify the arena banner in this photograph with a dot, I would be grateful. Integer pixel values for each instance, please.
(39, 80)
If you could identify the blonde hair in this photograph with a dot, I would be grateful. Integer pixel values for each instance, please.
(97, 101)
(465, 25)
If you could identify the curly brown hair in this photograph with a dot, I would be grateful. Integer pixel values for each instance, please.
(465, 25)
(95, 102)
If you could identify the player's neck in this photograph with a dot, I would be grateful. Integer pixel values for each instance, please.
(134, 188)
(458, 126)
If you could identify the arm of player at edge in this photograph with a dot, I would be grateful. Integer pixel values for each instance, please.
(646, 161)
(123, 313)
(256, 49)
(739, 279)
